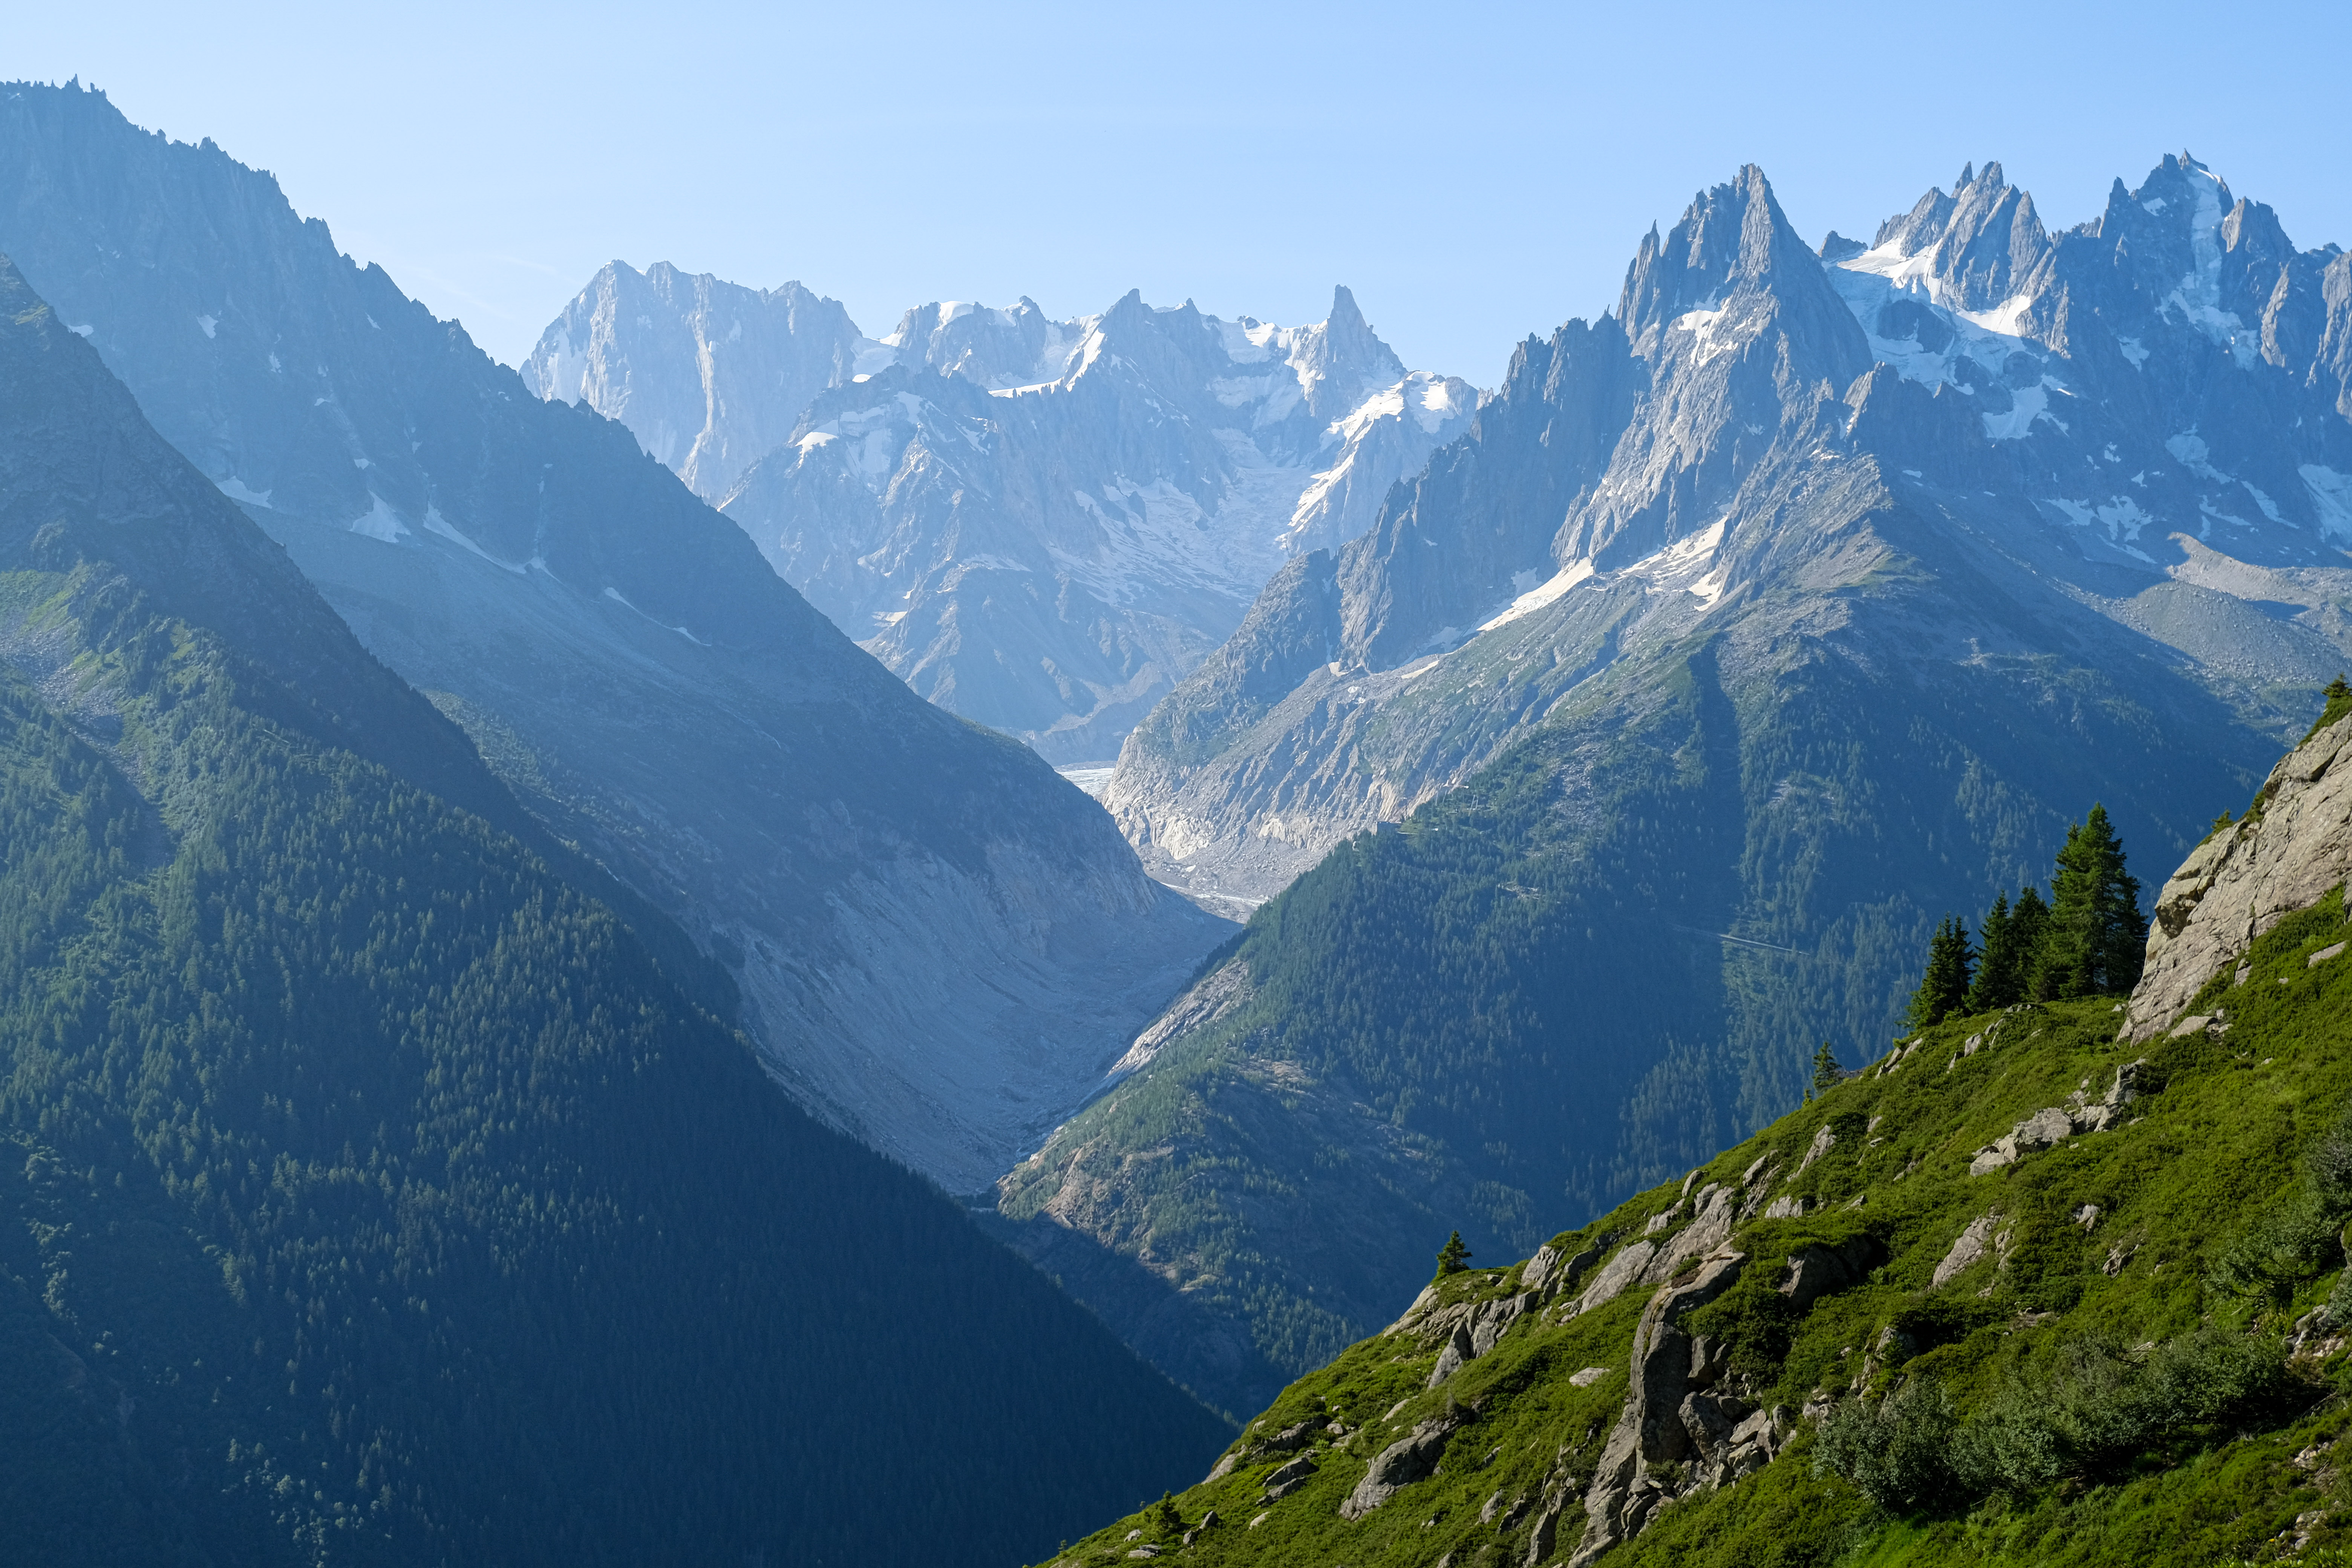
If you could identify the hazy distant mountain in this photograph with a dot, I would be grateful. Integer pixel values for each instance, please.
(1799, 601)
(370, 1195)
(1040, 524)
(937, 943)
(710, 376)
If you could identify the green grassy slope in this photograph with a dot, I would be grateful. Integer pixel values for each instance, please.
(2140, 1363)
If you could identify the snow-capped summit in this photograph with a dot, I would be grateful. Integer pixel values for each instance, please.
(1041, 523)
(2151, 410)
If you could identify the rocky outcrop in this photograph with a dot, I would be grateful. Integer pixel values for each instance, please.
(1966, 1251)
(1287, 1478)
(2054, 1125)
(1471, 1330)
(2283, 856)
(1410, 1458)
(1677, 1430)
(1814, 1270)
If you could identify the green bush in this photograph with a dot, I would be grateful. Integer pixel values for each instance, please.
(1896, 1452)
(2100, 1410)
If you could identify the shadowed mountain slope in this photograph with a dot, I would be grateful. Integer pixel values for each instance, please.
(370, 1194)
(938, 944)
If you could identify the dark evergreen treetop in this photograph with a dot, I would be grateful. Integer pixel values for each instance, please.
(2013, 935)
(1827, 1074)
(1944, 989)
(1454, 1257)
(2097, 938)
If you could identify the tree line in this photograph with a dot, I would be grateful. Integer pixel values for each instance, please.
(2088, 939)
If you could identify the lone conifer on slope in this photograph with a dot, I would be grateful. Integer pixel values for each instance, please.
(1827, 1074)
(1453, 1257)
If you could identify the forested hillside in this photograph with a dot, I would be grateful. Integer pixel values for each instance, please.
(2056, 1282)
(370, 1194)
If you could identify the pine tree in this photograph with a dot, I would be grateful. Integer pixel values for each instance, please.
(1827, 1074)
(2001, 977)
(1944, 989)
(1453, 1257)
(2029, 933)
(1165, 1520)
(2098, 937)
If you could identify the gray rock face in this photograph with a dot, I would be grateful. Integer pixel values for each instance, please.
(708, 376)
(2054, 1125)
(1620, 1275)
(1966, 1251)
(1669, 1418)
(937, 945)
(1040, 524)
(1287, 1478)
(2248, 877)
(1814, 1270)
(1407, 1459)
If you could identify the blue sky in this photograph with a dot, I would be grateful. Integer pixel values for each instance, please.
(1475, 172)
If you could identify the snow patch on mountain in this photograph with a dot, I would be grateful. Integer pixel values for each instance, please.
(1905, 309)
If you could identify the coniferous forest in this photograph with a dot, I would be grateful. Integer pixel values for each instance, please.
(381, 1198)
(2088, 941)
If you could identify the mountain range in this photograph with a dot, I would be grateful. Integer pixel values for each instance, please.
(1040, 524)
(1803, 598)
(372, 1192)
(555, 1005)
(937, 943)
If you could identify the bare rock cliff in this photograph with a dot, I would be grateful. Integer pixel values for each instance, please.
(2283, 855)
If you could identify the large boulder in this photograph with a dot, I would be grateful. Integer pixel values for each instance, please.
(1814, 1270)
(1410, 1458)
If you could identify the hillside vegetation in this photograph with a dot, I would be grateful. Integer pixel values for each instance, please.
(2019, 1291)
(368, 1192)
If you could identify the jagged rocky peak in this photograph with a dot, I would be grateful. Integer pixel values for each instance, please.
(705, 373)
(1732, 242)
(1000, 349)
(1153, 464)
(1978, 247)
(1342, 360)
(1745, 338)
